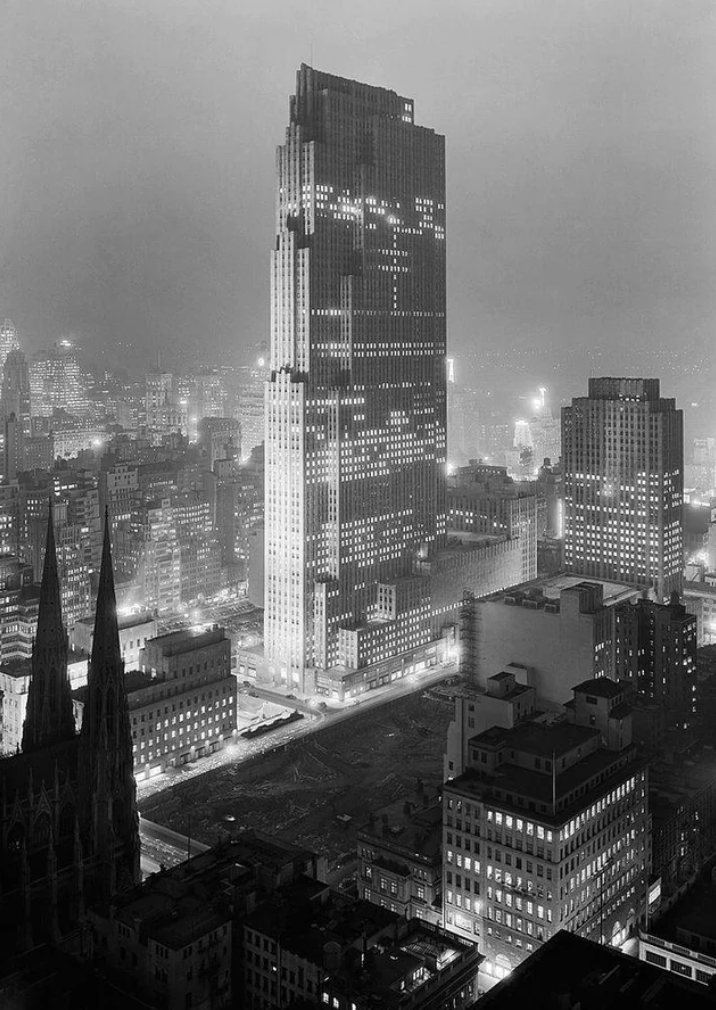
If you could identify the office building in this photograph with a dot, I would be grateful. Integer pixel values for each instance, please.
(355, 404)
(483, 499)
(8, 340)
(655, 651)
(251, 400)
(623, 462)
(57, 382)
(15, 395)
(548, 829)
(185, 705)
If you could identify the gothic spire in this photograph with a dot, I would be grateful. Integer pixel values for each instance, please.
(49, 717)
(106, 756)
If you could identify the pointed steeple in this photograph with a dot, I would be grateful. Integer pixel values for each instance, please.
(106, 754)
(106, 627)
(49, 717)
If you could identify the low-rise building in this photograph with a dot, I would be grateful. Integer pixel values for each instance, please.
(423, 968)
(175, 940)
(309, 943)
(400, 857)
(183, 703)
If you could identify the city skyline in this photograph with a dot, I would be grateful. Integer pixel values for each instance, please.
(590, 224)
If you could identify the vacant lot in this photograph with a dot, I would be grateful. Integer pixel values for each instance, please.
(297, 792)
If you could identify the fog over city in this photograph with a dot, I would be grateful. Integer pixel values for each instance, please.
(137, 197)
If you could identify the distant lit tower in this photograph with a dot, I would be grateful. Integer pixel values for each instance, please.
(8, 340)
(251, 401)
(57, 381)
(623, 459)
(15, 391)
(355, 405)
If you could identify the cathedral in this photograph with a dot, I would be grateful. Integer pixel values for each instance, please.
(69, 828)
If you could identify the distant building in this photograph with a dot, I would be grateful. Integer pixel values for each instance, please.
(655, 651)
(700, 600)
(483, 499)
(135, 630)
(400, 857)
(8, 340)
(623, 461)
(57, 382)
(551, 633)
(548, 829)
(15, 393)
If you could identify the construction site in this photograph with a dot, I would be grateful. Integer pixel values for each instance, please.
(317, 790)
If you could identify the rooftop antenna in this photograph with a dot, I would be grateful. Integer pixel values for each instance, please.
(554, 785)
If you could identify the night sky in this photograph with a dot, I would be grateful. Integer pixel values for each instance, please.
(137, 163)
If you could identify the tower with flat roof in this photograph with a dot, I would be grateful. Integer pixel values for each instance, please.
(356, 401)
(623, 461)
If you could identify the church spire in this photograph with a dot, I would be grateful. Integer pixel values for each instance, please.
(107, 761)
(49, 717)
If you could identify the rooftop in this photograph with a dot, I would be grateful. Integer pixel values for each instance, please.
(307, 915)
(390, 972)
(569, 972)
(413, 825)
(600, 687)
(547, 740)
(539, 787)
(552, 586)
(186, 640)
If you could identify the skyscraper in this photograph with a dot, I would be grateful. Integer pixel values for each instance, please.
(355, 405)
(15, 392)
(8, 340)
(623, 459)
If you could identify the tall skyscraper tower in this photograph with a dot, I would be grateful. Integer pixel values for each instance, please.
(355, 405)
(8, 340)
(623, 459)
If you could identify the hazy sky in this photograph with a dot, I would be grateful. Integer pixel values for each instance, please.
(137, 161)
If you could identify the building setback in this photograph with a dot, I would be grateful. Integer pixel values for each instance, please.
(356, 401)
(623, 462)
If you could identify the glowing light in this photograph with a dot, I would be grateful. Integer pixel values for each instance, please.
(262, 362)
